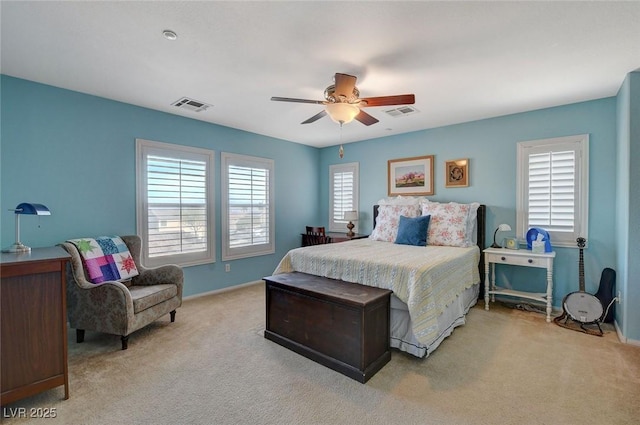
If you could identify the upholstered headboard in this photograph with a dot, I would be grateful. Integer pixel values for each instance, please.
(480, 237)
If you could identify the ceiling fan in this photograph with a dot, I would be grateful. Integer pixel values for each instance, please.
(342, 102)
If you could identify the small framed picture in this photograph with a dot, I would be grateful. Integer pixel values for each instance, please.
(457, 173)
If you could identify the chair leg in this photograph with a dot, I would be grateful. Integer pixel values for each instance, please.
(173, 315)
(125, 341)
(79, 335)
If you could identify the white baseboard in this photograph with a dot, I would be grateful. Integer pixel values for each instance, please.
(220, 291)
(623, 338)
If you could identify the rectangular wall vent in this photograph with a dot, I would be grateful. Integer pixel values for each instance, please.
(401, 111)
(190, 104)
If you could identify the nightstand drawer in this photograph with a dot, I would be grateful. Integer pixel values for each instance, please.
(517, 260)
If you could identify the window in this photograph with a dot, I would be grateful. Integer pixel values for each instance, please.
(553, 187)
(343, 195)
(174, 203)
(247, 206)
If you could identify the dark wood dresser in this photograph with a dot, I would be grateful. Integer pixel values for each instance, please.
(344, 326)
(33, 323)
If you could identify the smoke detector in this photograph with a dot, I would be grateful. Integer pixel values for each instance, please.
(190, 104)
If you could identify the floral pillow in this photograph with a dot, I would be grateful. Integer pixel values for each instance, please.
(451, 224)
(387, 221)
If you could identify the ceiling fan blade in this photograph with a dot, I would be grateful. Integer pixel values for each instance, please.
(291, 99)
(401, 99)
(315, 118)
(365, 118)
(344, 84)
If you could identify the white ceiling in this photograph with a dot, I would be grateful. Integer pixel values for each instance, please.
(463, 60)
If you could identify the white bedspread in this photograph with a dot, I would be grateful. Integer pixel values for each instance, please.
(427, 279)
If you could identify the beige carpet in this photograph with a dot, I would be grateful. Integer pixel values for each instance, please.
(212, 366)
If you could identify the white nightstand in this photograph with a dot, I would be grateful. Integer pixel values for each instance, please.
(523, 258)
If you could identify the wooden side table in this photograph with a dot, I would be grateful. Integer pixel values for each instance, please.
(342, 237)
(338, 237)
(33, 323)
(524, 258)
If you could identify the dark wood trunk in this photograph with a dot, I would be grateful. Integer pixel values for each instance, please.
(344, 326)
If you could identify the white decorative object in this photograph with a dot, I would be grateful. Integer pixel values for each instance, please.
(511, 243)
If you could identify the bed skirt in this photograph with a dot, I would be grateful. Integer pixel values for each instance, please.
(453, 316)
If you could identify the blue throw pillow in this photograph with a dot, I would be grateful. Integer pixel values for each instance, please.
(413, 231)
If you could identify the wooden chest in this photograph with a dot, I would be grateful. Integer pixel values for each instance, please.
(344, 326)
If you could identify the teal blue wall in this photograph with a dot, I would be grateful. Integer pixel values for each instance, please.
(628, 205)
(633, 276)
(491, 147)
(75, 154)
(622, 195)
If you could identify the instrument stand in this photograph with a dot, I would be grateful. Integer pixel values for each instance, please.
(574, 325)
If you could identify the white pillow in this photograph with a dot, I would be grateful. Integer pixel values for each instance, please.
(472, 224)
(402, 200)
(387, 221)
(451, 224)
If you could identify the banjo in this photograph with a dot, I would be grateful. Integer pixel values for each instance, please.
(580, 305)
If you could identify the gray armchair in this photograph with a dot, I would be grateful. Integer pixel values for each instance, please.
(121, 308)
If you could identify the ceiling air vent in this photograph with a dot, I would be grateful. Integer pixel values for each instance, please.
(190, 104)
(401, 111)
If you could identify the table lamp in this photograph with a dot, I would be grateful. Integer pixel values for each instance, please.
(25, 208)
(502, 228)
(351, 216)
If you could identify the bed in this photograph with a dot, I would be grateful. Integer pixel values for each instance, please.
(434, 286)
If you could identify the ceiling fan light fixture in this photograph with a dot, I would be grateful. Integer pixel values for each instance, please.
(342, 113)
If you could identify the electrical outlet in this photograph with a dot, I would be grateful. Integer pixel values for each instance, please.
(619, 298)
(227, 267)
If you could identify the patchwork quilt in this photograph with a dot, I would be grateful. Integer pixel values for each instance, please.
(427, 278)
(106, 258)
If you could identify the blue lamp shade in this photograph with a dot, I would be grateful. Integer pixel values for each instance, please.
(25, 208)
(33, 209)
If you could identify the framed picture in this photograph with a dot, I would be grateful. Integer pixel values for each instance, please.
(410, 176)
(457, 173)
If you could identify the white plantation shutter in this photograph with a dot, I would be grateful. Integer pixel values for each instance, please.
(173, 206)
(552, 191)
(342, 194)
(176, 199)
(553, 188)
(247, 206)
(343, 184)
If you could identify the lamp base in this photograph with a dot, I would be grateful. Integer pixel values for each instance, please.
(17, 247)
(495, 245)
(350, 226)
